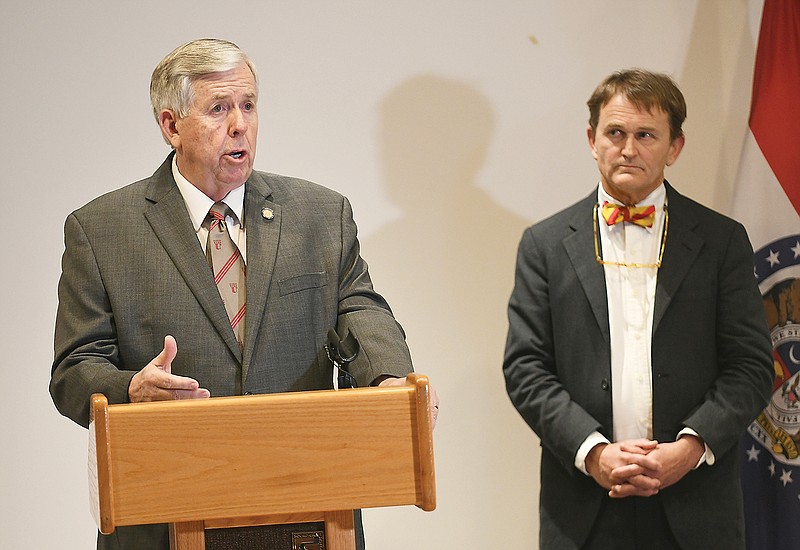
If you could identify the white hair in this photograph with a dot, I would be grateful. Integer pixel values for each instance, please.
(171, 84)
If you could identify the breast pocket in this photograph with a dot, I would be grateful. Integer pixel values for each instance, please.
(290, 285)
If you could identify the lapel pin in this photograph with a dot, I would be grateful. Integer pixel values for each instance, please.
(267, 213)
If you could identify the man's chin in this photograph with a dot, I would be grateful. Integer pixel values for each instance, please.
(630, 181)
(237, 178)
(630, 189)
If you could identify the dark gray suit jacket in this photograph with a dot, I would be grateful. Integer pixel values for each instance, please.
(712, 364)
(133, 271)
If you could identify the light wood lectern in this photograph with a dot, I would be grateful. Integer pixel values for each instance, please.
(261, 459)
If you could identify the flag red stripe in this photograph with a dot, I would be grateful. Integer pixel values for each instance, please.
(775, 107)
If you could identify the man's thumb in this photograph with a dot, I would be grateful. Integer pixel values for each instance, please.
(168, 354)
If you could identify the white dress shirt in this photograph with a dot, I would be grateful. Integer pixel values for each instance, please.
(631, 293)
(631, 297)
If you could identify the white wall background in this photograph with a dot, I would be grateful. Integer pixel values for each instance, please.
(450, 124)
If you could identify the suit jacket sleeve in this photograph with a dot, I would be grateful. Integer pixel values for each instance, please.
(740, 369)
(365, 313)
(534, 381)
(86, 345)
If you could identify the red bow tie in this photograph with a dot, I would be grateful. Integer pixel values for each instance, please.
(640, 215)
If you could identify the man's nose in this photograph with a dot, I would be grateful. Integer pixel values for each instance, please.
(629, 147)
(238, 123)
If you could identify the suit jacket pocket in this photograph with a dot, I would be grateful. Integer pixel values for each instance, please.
(303, 282)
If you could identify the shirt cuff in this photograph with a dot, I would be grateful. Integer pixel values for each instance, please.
(708, 456)
(594, 438)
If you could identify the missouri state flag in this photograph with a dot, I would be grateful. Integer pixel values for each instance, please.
(767, 201)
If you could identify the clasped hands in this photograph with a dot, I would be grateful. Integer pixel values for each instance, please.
(642, 467)
(155, 382)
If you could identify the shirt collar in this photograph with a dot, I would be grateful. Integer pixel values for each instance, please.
(657, 197)
(198, 203)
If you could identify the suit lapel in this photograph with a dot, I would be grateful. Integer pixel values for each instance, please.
(263, 227)
(170, 222)
(680, 252)
(580, 249)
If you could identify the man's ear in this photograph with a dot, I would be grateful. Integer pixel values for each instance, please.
(590, 137)
(675, 149)
(167, 121)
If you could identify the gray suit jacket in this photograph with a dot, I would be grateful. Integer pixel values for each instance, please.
(712, 364)
(133, 271)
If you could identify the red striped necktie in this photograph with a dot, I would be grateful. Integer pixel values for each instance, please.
(640, 215)
(228, 266)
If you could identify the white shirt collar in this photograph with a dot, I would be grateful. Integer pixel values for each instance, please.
(198, 203)
(657, 197)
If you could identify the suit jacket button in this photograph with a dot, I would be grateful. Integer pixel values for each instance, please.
(604, 384)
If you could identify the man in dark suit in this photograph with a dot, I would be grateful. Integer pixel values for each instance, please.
(637, 348)
(140, 316)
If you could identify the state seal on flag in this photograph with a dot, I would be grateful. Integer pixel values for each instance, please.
(777, 269)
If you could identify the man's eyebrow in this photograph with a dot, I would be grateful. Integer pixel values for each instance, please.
(219, 95)
(621, 126)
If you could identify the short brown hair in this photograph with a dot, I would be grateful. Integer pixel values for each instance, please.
(645, 89)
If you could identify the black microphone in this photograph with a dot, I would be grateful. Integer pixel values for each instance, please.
(341, 352)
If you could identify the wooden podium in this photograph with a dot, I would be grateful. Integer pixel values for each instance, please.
(261, 459)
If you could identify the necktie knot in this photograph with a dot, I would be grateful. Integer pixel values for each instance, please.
(216, 215)
(639, 215)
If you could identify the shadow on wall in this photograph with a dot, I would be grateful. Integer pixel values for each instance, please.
(447, 266)
(453, 245)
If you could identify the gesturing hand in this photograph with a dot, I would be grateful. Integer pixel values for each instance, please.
(155, 382)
